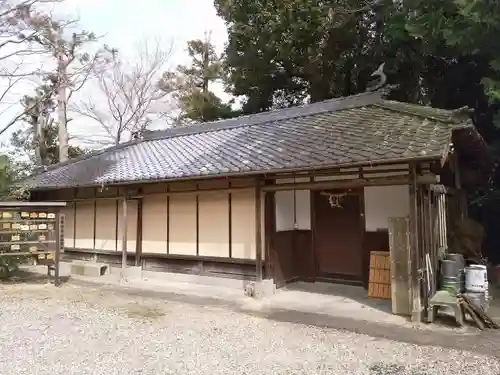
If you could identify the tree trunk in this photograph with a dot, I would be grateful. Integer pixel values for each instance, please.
(61, 109)
(40, 142)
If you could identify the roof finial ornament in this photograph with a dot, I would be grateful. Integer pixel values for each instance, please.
(382, 78)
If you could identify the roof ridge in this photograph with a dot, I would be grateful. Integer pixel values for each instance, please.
(336, 132)
(454, 116)
(323, 107)
(204, 127)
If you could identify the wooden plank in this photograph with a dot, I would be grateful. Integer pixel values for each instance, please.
(416, 312)
(124, 233)
(138, 244)
(258, 233)
(477, 313)
(385, 181)
(473, 315)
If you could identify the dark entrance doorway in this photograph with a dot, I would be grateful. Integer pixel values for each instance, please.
(338, 235)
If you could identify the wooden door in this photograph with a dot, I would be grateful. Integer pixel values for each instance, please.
(338, 236)
(281, 246)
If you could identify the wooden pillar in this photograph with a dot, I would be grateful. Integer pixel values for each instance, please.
(138, 245)
(416, 311)
(269, 228)
(258, 233)
(425, 231)
(74, 225)
(94, 224)
(57, 255)
(124, 233)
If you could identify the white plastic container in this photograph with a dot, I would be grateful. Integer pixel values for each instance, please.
(476, 278)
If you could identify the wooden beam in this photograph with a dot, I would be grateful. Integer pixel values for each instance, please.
(268, 230)
(116, 224)
(168, 222)
(94, 224)
(57, 255)
(74, 225)
(124, 234)
(385, 181)
(401, 168)
(230, 222)
(197, 202)
(258, 233)
(364, 180)
(416, 313)
(167, 193)
(138, 243)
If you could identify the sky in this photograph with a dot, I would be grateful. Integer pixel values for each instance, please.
(125, 23)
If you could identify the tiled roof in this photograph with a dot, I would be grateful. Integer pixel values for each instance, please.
(339, 132)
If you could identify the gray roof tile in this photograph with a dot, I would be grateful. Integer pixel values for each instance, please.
(353, 130)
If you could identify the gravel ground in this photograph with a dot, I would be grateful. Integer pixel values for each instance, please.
(75, 330)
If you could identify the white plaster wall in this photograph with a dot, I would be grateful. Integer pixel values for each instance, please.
(303, 209)
(84, 236)
(69, 225)
(293, 210)
(213, 224)
(243, 226)
(383, 202)
(285, 218)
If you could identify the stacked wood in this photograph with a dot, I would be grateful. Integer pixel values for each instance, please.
(477, 313)
(379, 281)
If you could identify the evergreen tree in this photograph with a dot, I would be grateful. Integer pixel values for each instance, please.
(191, 85)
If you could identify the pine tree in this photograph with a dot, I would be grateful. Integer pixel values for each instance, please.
(191, 85)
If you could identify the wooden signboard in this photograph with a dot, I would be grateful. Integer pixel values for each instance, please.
(32, 229)
(27, 232)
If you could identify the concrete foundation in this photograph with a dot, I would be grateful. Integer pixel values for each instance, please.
(132, 273)
(90, 269)
(261, 289)
(194, 279)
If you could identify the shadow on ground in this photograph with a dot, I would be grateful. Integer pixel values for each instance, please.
(486, 342)
(30, 278)
(393, 369)
(358, 294)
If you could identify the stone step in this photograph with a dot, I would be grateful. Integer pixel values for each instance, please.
(91, 269)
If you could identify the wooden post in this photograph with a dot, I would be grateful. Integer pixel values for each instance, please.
(124, 234)
(74, 225)
(268, 225)
(416, 313)
(258, 233)
(57, 255)
(138, 246)
(426, 244)
(94, 225)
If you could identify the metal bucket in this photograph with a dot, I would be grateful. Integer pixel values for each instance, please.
(460, 261)
(449, 268)
(458, 258)
(450, 284)
(476, 278)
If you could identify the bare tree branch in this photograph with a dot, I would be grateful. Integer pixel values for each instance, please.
(23, 113)
(21, 26)
(130, 92)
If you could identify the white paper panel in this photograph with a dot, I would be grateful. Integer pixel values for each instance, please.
(285, 217)
(303, 209)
